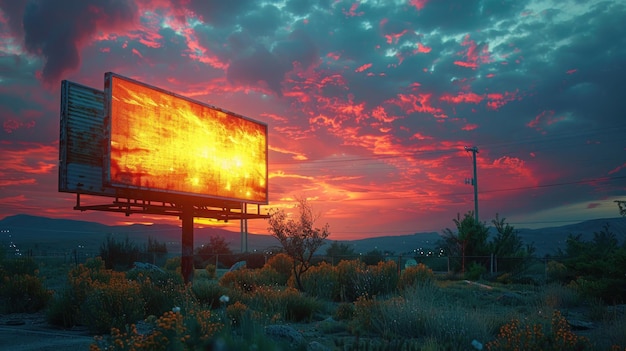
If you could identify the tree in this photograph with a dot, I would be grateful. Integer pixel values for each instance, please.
(217, 245)
(154, 246)
(299, 238)
(470, 239)
(119, 254)
(622, 207)
(154, 251)
(342, 251)
(371, 258)
(598, 266)
(508, 244)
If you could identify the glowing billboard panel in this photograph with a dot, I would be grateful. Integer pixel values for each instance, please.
(160, 141)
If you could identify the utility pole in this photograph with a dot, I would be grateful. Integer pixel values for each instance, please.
(474, 181)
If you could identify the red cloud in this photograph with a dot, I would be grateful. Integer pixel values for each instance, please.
(545, 118)
(411, 103)
(422, 49)
(473, 54)
(497, 100)
(363, 68)
(418, 4)
(469, 127)
(12, 125)
(352, 12)
(462, 98)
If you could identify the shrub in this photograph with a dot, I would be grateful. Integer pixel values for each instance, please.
(211, 271)
(21, 288)
(384, 278)
(268, 276)
(364, 308)
(193, 330)
(556, 272)
(23, 293)
(115, 304)
(208, 292)
(101, 298)
(322, 281)
(287, 304)
(241, 279)
(517, 336)
(247, 280)
(344, 311)
(119, 254)
(235, 312)
(20, 266)
(282, 263)
(553, 296)
(424, 311)
(475, 271)
(63, 311)
(298, 306)
(416, 274)
(173, 264)
(348, 274)
(160, 290)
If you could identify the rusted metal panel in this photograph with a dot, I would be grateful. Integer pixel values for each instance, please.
(81, 149)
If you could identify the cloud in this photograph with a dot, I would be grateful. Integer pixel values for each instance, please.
(369, 104)
(58, 30)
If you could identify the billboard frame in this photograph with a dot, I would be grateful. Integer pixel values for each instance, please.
(86, 118)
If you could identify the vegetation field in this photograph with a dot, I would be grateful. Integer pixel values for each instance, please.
(284, 301)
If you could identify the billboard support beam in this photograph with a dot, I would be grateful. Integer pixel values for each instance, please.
(186, 262)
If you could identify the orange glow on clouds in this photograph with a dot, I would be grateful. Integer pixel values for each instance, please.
(163, 142)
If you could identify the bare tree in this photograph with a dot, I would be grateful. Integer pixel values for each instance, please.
(299, 238)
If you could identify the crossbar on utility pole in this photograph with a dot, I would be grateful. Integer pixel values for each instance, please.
(474, 151)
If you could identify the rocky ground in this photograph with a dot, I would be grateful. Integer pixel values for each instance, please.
(30, 332)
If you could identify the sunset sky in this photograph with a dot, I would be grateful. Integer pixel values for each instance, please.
(369, 104)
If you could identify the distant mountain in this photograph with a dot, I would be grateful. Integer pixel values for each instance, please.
(546, 240)
(55, 235)
(62, 234)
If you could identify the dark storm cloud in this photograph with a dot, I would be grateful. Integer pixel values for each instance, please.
(56, 30)
(15, 11)
(253, 63)
(262, 22)
(259, 67)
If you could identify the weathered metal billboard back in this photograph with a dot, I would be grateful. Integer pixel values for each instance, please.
(81, 142)
(162, 142)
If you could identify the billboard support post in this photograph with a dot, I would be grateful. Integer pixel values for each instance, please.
(186, 262)
(244, 227)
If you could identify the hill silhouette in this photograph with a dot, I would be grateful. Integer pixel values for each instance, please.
(50, 235)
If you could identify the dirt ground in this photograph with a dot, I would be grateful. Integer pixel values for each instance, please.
(30, 332)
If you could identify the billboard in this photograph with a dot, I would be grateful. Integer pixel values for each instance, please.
(81, 147)
(161, 142)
